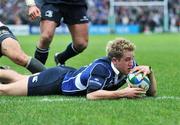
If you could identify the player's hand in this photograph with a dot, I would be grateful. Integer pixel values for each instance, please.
(34, 12)
(141, 69)
(133, 92)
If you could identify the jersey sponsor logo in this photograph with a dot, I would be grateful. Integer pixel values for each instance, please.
(49, 13)
(96, 79)
(95, 82)
(84, 19)
(35, 79)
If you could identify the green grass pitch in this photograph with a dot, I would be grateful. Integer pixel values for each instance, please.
(161, 51)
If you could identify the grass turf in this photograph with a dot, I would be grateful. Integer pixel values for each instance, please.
(161, 51)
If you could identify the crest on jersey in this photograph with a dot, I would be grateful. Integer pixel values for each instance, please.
(49, 13)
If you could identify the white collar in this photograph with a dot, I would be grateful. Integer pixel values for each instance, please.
(115, 69)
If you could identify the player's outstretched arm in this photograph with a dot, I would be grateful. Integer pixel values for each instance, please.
(122, 93)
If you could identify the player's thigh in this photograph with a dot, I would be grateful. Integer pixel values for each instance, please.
(76, 19)
(50, 19)
(47, 26)
(79, 32)
(46, 82)
(47, 29)
(9, 76)
(11, 48)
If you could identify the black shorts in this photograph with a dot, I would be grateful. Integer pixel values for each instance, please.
(5, 33)
(47, 82)
(71, 14)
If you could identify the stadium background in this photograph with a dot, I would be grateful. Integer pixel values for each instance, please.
(160, 50)
(129, 20)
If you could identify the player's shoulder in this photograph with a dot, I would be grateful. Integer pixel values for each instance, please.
(104, 61)
(101, 67)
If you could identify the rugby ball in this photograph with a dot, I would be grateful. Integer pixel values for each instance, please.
(137, 80)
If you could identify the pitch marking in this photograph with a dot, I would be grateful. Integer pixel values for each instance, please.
(81, 99)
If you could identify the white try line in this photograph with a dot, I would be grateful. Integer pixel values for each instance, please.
(47, 99)
(84, 99)
(167, 97)
(61, 99)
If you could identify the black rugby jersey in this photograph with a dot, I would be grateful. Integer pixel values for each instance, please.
(70, 2)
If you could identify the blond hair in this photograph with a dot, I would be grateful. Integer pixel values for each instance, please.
(116, 48)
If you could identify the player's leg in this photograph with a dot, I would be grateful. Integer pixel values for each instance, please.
(43, 83)
(18, 88)
(9, 76)
(11, 48)
(47, 32)
(79, 33)
(78, 26)
(49, 21)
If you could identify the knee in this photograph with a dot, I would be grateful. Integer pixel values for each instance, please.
(46, 38)
(81, 44)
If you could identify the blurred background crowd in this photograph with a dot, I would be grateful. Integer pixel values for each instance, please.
(15, 12)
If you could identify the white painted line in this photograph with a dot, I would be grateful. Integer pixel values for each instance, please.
(61, 99)
(168, 97)
(46, 99)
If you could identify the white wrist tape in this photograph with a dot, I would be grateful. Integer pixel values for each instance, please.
(30, 2)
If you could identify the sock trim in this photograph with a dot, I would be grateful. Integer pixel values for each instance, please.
(42, 50)
(29, 61)
(74, 49)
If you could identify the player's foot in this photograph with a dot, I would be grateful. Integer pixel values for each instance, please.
(57, 59)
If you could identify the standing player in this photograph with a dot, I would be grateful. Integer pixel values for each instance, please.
(73, 13)
(10, 47)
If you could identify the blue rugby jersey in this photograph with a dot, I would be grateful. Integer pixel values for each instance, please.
(101, 74)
